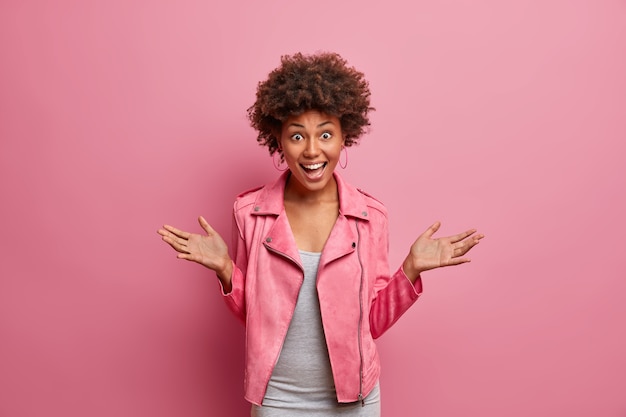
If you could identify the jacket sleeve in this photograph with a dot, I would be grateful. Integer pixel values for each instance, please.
(235, 299)
(392, 294)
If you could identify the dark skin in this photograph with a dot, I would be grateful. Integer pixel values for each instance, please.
(311, 144)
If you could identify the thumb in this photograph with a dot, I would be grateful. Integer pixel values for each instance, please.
(206, 226)
(432, 230)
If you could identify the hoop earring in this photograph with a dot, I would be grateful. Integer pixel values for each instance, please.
(277, 165)
(345, 164)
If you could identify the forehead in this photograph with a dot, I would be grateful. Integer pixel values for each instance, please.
(311, 119)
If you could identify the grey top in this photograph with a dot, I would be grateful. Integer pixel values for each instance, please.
(302, 382)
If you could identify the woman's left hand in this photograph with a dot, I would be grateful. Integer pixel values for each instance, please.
(430, 253)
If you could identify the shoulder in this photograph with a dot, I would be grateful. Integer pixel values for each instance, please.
(266, 199)
(243, 207)
(247, 198)
(373, 203)
(262, 200)
(358, 203)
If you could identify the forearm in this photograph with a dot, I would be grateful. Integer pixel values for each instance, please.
(225, 275)
(392, 301)
(411, 271)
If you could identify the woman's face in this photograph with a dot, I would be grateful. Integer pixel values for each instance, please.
(311, 143)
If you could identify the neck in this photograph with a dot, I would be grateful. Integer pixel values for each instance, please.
(295, 192)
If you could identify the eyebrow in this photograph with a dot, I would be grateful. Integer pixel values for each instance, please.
(319, 125)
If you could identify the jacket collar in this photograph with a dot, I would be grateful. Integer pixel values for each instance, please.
(269, 201)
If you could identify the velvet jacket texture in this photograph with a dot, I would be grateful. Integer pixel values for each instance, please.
(359, 299)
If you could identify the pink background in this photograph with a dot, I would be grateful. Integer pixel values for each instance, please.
(118, 116)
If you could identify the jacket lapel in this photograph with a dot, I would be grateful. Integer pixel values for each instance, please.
(280, 240)
(343, 237)
(342, 240)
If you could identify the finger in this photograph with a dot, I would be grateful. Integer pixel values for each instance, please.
(173, 238)
(189, 257)
(177, 244)
(177, 232)
(206, 226)
(461, 236)
(458, 261)
(432, 230)
(166, 233)
(467, 245)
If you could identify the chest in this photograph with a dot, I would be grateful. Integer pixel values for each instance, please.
(311, 225)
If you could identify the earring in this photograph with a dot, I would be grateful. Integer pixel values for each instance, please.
(280, 161)
(345, 164)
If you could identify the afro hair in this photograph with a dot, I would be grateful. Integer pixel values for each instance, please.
(322, 82)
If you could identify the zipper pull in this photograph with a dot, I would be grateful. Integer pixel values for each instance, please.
(362, 399)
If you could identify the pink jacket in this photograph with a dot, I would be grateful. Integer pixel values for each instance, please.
(358, 298)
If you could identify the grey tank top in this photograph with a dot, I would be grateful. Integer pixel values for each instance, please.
(302, 382)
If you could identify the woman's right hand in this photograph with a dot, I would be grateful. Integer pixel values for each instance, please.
(209, 250)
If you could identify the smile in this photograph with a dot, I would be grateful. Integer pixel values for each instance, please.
(314, 172)
(313, 167)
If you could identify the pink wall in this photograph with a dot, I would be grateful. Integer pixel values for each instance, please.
(118, 116)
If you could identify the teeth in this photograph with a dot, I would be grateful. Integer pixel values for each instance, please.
(314, 166)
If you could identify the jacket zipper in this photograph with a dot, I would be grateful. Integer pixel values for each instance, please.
(269, 248)
(294, 306)
(359, 331)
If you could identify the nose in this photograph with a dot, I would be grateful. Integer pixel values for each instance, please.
(312, 148)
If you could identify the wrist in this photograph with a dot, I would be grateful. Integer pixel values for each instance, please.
(225, 276)
(224, 273)
(410, 269)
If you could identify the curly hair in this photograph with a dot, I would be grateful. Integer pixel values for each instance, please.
(322, 82)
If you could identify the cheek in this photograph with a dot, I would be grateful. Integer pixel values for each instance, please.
(290, 157)
(334, 152)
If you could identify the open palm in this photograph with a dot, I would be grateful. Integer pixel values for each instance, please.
(430, 253)
(209, 250)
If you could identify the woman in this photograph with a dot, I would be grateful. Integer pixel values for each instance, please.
(309, 275)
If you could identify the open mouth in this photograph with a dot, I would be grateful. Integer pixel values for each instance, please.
(314, 170)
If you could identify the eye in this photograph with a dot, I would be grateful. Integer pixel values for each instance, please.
(326, 135)
(297, 137)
